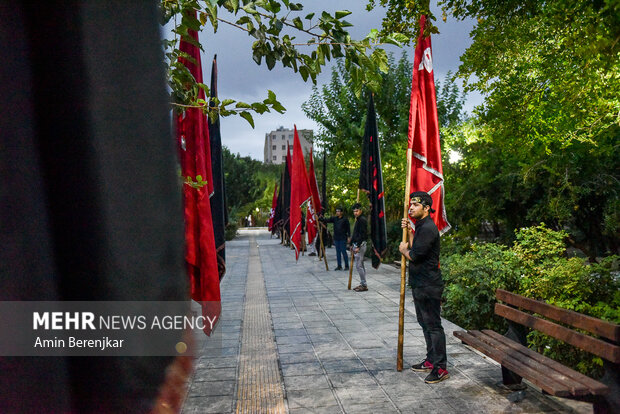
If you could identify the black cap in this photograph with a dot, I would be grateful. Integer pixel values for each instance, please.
(339, 208)
(423, 198)
(357, 206)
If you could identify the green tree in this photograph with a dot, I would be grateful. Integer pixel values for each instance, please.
(249, 184)
(544, 145)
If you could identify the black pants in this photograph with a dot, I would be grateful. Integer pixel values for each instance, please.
(427, 309)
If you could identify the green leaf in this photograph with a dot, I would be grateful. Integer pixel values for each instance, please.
(342, 13)
(271, 96)
(259, 107)
(213, 14)
(249, 8)
(243, 20)
(309, 16)
(278, 107)
(270, 60)
(248, 117)
(303, 70)
(298, 23)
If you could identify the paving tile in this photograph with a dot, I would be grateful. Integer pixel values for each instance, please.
(366, 395)
(302, 368)
(311, 398)
(343, 365)
(215, 374)
(382, 408)
(305, 382)
(296, 357)
(292, 340)
(212, 388)
(209, 405)
(351, 379)
(316, 410)
(286, 349)
(219, 362)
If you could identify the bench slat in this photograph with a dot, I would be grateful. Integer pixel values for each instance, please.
(596, 326)
(549, 385)
(595, 346)
(597, 388)
(576, 388)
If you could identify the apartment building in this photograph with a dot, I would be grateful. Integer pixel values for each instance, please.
(276, 141)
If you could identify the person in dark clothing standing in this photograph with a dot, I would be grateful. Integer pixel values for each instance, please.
(342, 231)
(358, 245)
(422, 251)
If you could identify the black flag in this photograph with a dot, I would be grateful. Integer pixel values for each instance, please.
(277, 215)
(218, 199)
(286, 193)
(324, 184)
(371, 181)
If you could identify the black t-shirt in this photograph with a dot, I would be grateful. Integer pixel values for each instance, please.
(424, 265)
(341, 227)
(360, 231)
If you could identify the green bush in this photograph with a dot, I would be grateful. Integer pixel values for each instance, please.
(230, 232)
(471, 281)
(534, 266)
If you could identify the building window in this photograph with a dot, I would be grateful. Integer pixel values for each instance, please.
(273, 147)
(283, 158)
(290, 136)
(282, 136)
(283, 147)
(275, 157)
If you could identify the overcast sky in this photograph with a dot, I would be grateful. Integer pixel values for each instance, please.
(242, 79)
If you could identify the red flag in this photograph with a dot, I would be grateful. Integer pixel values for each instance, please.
(426, 168)
(300, 192)
(195, 156)
(274, 204)
(314, 206)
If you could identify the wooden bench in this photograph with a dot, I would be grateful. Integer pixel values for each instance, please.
(552, 377)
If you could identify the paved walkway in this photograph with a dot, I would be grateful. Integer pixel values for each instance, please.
(302, 343)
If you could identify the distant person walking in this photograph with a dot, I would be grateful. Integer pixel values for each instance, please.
(342, 231)
(358, 245)
(422, 251)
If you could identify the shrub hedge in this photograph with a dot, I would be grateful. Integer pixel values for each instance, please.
(535, 266)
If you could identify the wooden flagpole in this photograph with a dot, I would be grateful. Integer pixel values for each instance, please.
(318, 223)
(353, 254)
(403, 268)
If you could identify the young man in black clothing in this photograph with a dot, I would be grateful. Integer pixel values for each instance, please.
(422, 251)
(342, 231)
(358, 245)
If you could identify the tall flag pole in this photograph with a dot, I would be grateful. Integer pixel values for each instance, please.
(322, 226)
(314, 207)
(274, 204)
(300, 193)
(371, 182)
(195, 156)
(324, 184)
(218, 198)
(277, 216)
(424, 169)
